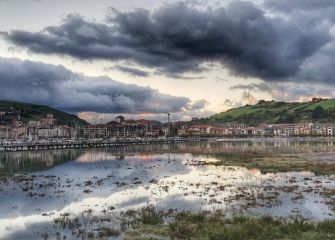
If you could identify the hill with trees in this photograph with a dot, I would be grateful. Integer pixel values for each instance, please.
(10, 110)
(317, 110)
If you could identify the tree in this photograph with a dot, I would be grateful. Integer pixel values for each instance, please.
(319, 112)
(286, 118)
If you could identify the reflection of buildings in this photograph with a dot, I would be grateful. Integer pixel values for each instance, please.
(94, 156)
(35, 160)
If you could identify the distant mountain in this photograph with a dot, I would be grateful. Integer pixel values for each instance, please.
(10, 110)
(318, 110)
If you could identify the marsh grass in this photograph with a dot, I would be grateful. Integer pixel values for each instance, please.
(270, 163)
(205, 226)
(151, 224)
(150, 216)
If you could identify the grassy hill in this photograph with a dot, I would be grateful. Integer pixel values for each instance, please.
(279, 112)
(29, 112)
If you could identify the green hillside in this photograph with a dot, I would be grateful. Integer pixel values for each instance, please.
(11, 110)
(279, 112)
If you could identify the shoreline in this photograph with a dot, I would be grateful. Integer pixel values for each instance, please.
(80, 144)
(87, 144)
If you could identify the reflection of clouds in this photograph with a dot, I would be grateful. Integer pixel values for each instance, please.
(29, 231)
(146, 157)
(95, 156)
(180, 181)
(127, 198)
(178, 202)
(255, 172)
(75, 173)
(19, 228)
(186, 190)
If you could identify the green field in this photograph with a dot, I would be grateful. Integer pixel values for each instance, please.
(279, 112)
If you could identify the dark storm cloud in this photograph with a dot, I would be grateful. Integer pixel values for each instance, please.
(199, 104)
(301, 5)
(56, 86)
(262, 87)
(135, 72)
(180, 37)
(286, 91)
(300, 92)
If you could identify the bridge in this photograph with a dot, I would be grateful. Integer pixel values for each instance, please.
(31, 146)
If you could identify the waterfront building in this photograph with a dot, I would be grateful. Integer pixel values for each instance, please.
(98, 131)
(48, 122)
(19, 133)
(56, 132)
(5, 132)
(199, 130)
(119, 119)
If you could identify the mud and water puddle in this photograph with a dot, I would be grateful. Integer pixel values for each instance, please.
(95, 191)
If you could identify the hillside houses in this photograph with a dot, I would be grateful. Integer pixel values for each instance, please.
(208, 130)
(271, 130)
(48, 128)
(44, 128)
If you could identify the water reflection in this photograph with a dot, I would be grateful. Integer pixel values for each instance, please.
(29, 161)
(18, 162)
(178, 176)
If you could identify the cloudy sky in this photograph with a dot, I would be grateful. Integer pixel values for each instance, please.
(141, 58)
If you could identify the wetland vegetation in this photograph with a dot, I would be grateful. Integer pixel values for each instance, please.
(262, 189)
(150, 224)
(271, 163)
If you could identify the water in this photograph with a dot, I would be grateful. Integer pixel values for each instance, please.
(37, 187)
